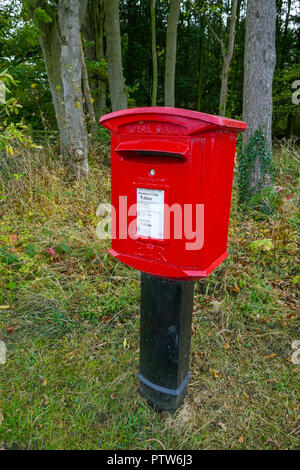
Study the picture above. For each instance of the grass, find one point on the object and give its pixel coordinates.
(69, 315)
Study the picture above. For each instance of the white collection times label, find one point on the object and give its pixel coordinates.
(150, 213)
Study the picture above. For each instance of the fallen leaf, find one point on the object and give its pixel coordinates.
(241, 439)
(235, 289)
(13, 237)
(246, 396)
(227, 345)
(214, 373)
(270, 356)
(10, 329)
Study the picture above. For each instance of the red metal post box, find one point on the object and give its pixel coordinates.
(171, 178)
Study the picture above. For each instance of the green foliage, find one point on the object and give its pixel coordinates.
(21, 56)
(39, 14)
(262, 245)
(8, 258)
(198, 64)
(266, 201)
(11, 132)
(98, 68)
(286, 113)
(256, 152)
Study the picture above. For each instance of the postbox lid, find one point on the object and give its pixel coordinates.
(191, 122)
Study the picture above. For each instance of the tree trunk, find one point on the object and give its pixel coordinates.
(201, 61)
(114, 57)
(100, 56)
(259, 64)
(154, 54)
(171, 53)
(51, 47)
(285, 50)
(68, 14)
(86, 88)
(238, 65)
(227, 60)
(278, 33)
(60, 47)
(93, 33)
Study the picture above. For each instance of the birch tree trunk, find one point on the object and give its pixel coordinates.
(154, 54)
(259, 64)
(171, 53)
(114, 57)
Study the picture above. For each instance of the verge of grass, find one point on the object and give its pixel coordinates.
(69, 315)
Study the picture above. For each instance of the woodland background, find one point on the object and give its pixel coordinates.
(198, 61)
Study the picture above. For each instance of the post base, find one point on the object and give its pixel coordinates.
(161, 398)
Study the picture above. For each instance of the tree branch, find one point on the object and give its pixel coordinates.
(217, 38)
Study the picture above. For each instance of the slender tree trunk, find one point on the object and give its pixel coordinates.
(93, 33)
(68, 14)
(171, 53)
(227, 60)
(154, 54)
(239, 63)
(285, 50)
(278, 33)
(114, 57)
(100, 56)
(259, 64)
(86, 88)
(201, 62)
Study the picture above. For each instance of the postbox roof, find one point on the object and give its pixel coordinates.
(193, 121)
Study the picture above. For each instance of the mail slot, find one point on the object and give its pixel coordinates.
(171, 180)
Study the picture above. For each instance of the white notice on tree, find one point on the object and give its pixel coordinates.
(150, 213)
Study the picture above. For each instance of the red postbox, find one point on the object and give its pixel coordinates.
(171, 179)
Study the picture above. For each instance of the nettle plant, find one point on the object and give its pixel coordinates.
(256, 192)
(10, 131)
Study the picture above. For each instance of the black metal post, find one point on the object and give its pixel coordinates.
(165, 338)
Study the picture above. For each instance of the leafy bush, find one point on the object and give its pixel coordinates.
(10, 131)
